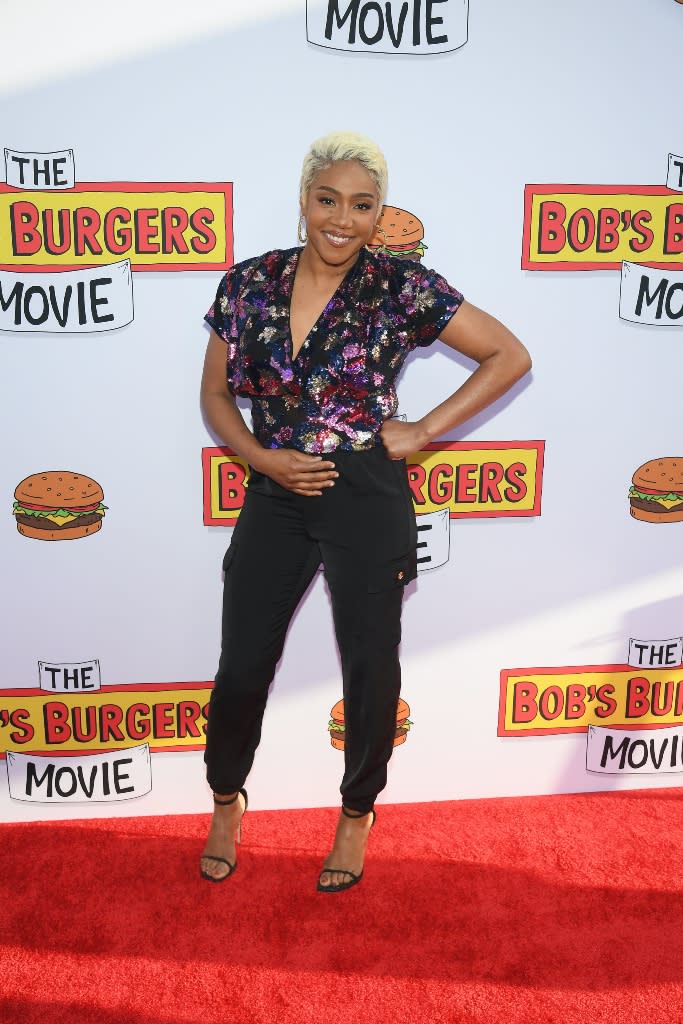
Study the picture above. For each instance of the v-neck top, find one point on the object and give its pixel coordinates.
(340, 388)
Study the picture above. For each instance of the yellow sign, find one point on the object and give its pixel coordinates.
(492, 478)
(166, 716)
(538, 701)
(175, 226)
(597, 227)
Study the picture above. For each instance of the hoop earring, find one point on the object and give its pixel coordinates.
(299, 232)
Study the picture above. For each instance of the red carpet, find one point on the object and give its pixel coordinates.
(549, 909)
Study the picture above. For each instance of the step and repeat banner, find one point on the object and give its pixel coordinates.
(550, 528)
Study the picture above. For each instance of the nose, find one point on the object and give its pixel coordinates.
(342, 215)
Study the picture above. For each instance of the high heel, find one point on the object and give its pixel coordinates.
(354, 879)
(232, 867)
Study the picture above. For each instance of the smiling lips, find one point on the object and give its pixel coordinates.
(336, 240)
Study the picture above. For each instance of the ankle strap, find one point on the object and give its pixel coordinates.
(225, 803)
(355, 814)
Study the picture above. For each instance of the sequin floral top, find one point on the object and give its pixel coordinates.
(340, 388)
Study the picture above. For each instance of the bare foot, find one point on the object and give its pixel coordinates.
(348, 852)
(221, 839)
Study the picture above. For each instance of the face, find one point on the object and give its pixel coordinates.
(341, 211)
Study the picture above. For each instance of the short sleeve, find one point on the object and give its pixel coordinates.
(428, 302)
(223, 312)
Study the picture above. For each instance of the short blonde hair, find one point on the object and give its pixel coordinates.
(336, 146)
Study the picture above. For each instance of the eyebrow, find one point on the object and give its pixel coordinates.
(356, 195)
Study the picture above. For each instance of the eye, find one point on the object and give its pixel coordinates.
(363, 206)
(326, 200)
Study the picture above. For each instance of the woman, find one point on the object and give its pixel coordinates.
(316, 337)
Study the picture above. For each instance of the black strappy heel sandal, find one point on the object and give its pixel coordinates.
(238, 838)
(353, 879)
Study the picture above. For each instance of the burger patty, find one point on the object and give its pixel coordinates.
(339, 735)
(654, 506)
(41, 523)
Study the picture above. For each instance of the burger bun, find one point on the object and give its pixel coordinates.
(397, 226)
(59, 488)
(657, 517)
(60, 532)
(665, 474)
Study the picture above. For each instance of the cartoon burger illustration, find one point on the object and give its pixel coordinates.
(657, 492)
(398, 233)
(58, 505)
(337, 727)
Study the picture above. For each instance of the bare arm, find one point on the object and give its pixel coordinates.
(298, 472)
(220, 408)
(502, 359)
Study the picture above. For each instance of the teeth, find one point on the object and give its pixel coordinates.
(337, 238)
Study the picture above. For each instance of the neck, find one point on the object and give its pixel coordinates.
(319, 271)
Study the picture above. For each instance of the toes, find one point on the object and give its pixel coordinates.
(209, 868)
(328, 879)
(213, 868)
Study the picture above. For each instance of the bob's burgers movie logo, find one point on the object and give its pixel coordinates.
(637, 229)
(67, 248)
(72, 739)
(455, 480)
(644, 693)
(393, 26)
(632, 714)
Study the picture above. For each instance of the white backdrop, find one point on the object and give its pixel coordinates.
(235, 93)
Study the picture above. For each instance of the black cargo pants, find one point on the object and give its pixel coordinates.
(363, 529)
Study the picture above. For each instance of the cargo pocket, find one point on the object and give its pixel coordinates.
(394, 573)
(228, 557)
